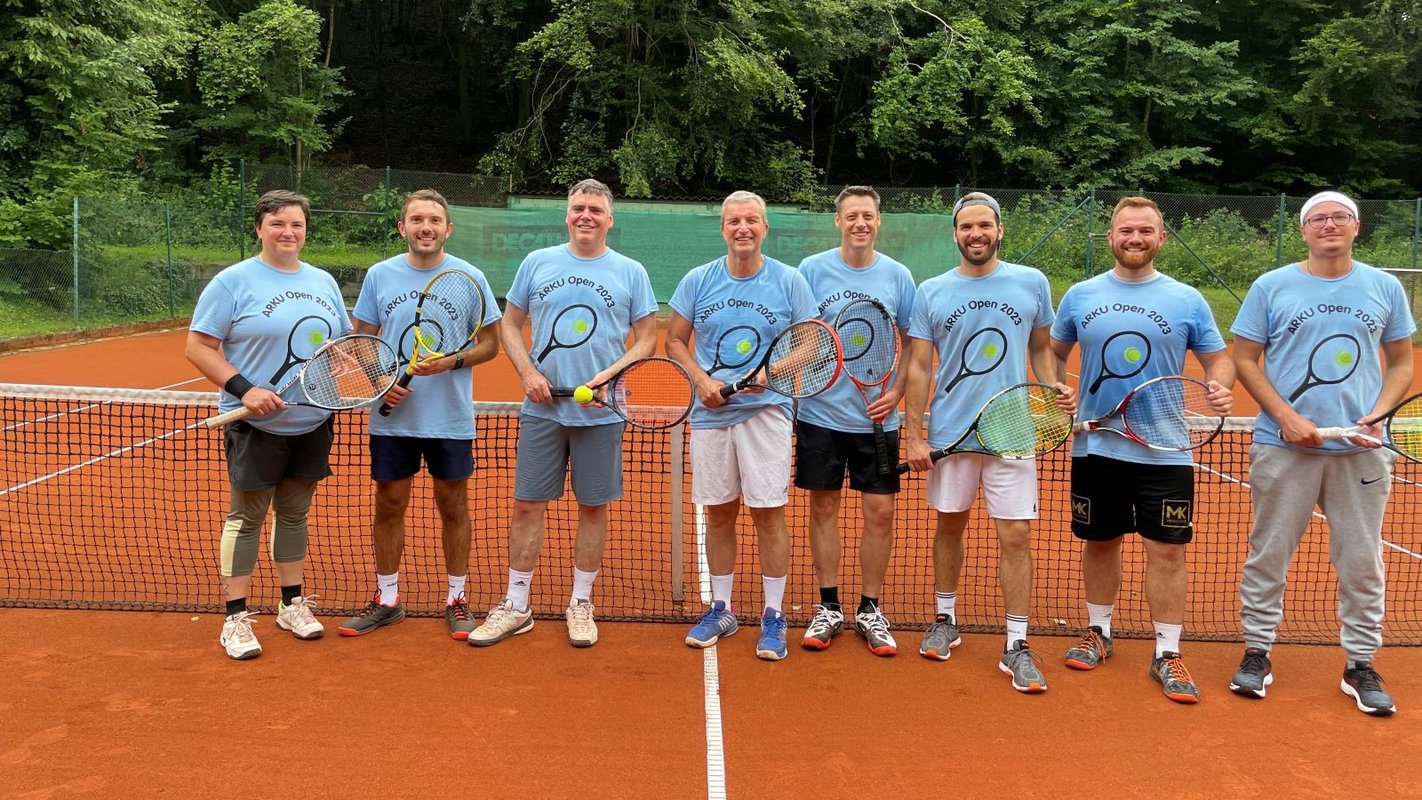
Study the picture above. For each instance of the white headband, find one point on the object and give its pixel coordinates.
(1328, 197)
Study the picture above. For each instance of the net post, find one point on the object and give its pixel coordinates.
(677, 477)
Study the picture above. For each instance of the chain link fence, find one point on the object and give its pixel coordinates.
(138, 262)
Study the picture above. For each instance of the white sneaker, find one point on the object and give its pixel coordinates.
(298, 618)
(238, 638)
(582, 631)
(503, 621)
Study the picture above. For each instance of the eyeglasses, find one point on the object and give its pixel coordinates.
(1339, 219)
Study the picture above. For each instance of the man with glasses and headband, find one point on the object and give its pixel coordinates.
(1319, 326)
(1134, 324)
(986, 320)
(834, 432)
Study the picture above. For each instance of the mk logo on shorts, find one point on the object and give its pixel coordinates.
(1175, 513)
(1080, 509)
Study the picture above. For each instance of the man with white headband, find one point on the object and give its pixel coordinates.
(1319, 325)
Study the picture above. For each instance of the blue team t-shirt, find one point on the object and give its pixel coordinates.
(1321, 338)
(980, 328)
(734, 321)
(1129, 333)
(582, 310)
(438, 406)
(834, 284)
(270, 321)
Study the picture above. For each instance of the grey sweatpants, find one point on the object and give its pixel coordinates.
(1351, 491)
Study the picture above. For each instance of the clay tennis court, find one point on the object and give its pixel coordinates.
(130, 703)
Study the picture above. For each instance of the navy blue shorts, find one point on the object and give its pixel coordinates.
(395, 458)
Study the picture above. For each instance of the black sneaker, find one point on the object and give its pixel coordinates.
(1254, 675)
(1362, 683)
(373, 616)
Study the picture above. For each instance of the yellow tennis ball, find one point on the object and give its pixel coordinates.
(583, 395)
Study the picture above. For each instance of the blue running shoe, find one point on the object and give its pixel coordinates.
(718, 621)
(771, 646)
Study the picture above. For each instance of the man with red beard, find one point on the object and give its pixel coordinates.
(986, 320)
(1134, 324)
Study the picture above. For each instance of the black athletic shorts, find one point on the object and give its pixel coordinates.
(1111, 497)
(822, 455)
(259, 460)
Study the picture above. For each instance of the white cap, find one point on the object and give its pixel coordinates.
(1328, 197)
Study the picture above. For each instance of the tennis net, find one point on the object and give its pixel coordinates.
(113, 499)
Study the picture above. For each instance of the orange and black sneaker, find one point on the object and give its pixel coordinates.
(1169, 671)
(1091, 650)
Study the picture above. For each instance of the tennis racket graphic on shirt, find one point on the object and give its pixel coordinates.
(981, 354)
(1333, 360)
(736, 348)
(347, 372)
(1019, 422)
(573, 327)
(652, 392)
(1402, 429)
(1123, 355)
(1169, 413)
(802, 361)
(871, 350)
(448, 316)
(305, 338)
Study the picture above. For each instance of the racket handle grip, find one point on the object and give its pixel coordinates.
(881, 449)
(402, 381)
(936, 455)
(1078, 427)
(230, 416)
(1336, 433)
(731, 388)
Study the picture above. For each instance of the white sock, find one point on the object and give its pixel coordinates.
(1100, 617)
(721, 588)
(1016, 630)
(456, 588)
(774, 591)
(389, 588)
(947, 603)
(1167, 638)
(582, 586)
(520, 583)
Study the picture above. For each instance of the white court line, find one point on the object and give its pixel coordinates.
(97, 459)
(711, 678)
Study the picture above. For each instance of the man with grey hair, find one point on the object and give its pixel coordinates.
(583, 300)
(740, 446)
(985, 320)
(1320, 325)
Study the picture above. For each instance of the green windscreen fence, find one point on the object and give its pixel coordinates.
(669, 244)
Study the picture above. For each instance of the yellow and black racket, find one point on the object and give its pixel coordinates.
(448, 316)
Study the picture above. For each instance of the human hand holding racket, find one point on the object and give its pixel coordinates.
(448, 316)
(802, 361)
(871, 351)
(1019, 422)
(1172, 413)
(348, 372)
(1399, 429)
(652, 392)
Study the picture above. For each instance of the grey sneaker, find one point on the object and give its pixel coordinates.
(582, 629)
(873, 626)
(1090, 650)
(1362, 683)
(941, 638)
(461, 622)
(822, 629)
(1169, 671)
(1021, 663)
(1254, 674)
(373, 616)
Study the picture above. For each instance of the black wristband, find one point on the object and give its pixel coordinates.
(238, 386)
(459, 360)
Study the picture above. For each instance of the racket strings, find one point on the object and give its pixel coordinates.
(1023, 421)
(804, 360)
(1404, 429)
(456, 302)
(870, 346)
(653, 393)
(348, 373)
(1172, 414)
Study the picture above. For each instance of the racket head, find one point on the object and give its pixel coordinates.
(349, 372)
(1404, 428)
(1171, 413)
(448, 316)
(1022, 421)
(651, 393)
(803, 360)
(870, 341)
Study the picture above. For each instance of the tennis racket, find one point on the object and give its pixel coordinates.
(652, 393)
(1017, 423)
(348, 372)
(871, 351)
(1169, 413)
(1402, 429)
(448, 316)
(801, 362)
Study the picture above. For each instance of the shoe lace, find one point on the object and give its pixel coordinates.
(1254, 663)
(498, 612)
(302, 609)
(878, 624)
(1091, 642)
(774, 626)
(710, 616)
(460, 609)
(242, 626)
(824, 618)
(1366, 679)
(1173, 668)
(580, 612)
